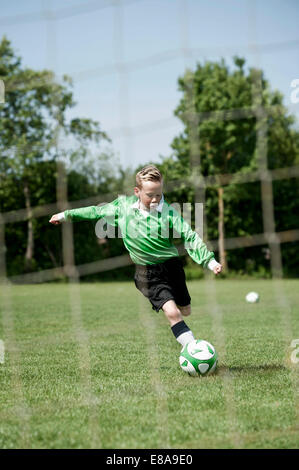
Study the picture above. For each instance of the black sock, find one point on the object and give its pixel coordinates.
(182, 333)
(179, 328)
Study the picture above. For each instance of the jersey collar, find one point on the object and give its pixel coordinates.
(136, 205)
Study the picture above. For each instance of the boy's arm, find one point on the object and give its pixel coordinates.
(194, 245)
(108, 211)
(56, 219)
(214, 266)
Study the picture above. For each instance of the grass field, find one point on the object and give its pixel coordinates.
(93, 366)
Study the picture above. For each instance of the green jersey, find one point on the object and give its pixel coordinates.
(148, 236)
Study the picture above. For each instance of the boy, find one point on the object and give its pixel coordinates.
(147, 224)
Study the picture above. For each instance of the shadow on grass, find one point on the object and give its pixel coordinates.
(250, 369)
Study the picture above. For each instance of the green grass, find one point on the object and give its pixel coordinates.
(105, 374)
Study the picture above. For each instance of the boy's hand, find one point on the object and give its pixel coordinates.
(217, 269)
(55, 220)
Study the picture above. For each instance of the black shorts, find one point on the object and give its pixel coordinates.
(162, 282)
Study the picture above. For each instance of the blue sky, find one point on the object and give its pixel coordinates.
(135, 105)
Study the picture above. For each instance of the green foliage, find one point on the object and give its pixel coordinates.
(212, 145)
(47, 238)
(35, 134)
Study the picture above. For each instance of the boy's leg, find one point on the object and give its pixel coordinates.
(179, 328)
(185, 311)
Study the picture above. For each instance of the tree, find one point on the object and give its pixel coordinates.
(33, 124)
(214, 144)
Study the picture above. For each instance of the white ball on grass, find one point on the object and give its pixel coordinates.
(252, 297)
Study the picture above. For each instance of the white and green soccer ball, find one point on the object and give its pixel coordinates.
(198, 358)
(252, 297)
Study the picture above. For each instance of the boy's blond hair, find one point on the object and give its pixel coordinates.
(148, 173)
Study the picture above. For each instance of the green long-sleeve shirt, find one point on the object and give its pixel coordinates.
(149, 237)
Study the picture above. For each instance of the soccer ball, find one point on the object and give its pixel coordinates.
(252, 297)
(198, 358)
